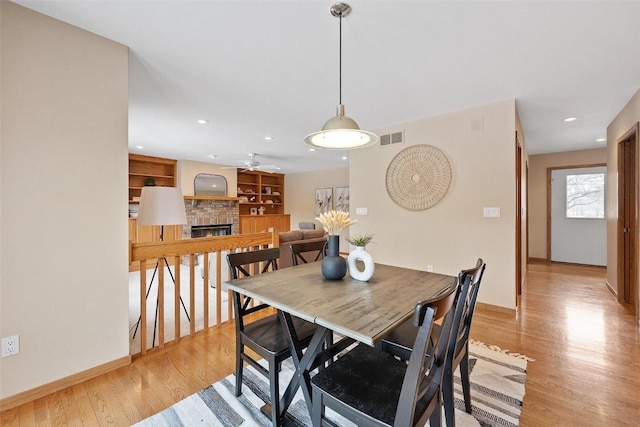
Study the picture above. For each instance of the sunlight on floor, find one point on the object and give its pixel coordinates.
(586, 327)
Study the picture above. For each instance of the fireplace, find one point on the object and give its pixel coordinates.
(212, 214)
(210, 230)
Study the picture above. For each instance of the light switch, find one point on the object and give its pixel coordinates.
(362, 211)
(491, 212)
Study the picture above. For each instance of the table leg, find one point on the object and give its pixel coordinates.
(301, 362)
(313, 357)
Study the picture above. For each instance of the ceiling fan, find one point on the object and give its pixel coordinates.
(253, 165)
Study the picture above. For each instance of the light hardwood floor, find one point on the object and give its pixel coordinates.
(586, 372)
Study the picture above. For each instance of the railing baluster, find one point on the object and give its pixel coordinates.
(160, 307)
(205, 291)
(219, 287)
(192, 294)
(143, 306)
(176, 299)
(141, 252)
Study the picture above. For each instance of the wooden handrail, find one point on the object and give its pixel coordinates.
(153, 250)
(174, 251)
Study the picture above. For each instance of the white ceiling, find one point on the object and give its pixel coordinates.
(270, 68)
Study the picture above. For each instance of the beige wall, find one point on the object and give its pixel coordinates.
(63, 280)
(453, 234)
(538, 165)
(627, 117)
(301, 192)
(188, 169)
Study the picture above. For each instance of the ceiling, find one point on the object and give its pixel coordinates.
(270, 68)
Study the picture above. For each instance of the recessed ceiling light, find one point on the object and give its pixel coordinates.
(212, 156)
(344, 157)
(312, 149)
(569, 119)
(601, 139)
(203, 121)
(268, 138)
(139, 147)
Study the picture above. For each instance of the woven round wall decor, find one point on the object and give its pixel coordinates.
(418, 177)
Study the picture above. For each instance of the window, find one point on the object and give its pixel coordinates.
(585, 195)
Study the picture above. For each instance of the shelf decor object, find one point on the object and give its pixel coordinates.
(334, 267)
(360, 254)
(340, 132)
(418, 177)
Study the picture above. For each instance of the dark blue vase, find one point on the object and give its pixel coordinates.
(334, 267)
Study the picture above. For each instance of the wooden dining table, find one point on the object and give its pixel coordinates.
(355, 310)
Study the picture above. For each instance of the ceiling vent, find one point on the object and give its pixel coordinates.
(392, 138)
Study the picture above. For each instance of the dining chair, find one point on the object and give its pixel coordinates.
(373, 388)
(265, 336)
(308, 249)
(400, 340)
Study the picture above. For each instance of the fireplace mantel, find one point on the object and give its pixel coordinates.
(233, 199)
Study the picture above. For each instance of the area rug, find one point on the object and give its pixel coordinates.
(497, 389)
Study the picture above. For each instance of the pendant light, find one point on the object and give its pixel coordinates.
(341, 132)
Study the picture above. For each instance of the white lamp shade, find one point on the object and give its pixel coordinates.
(161, 206)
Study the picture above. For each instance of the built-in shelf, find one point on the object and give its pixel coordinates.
(141, 168)
(261, 186)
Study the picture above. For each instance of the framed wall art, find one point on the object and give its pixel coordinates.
(342, 199)
(324, 200)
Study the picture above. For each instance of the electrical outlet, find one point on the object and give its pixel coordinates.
(10, 345)
(430, 268)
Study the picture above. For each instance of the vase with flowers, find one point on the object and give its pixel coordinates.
(334, 267)
(360, 254)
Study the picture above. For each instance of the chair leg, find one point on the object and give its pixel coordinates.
(317, 410)
(464, 376)
(435, 419)
(447, 398)
(328, 342)
(275, 391)
(239, 364)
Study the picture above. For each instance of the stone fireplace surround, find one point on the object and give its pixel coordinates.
(211, 211)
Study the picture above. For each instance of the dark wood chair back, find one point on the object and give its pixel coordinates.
(240, 265)
(373, 388)
(427, 362)
(466, 306)
(308, 251)
(241, 262)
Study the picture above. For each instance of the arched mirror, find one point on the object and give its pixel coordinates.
(206, 184)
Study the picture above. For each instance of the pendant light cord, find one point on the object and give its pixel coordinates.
(340, 61)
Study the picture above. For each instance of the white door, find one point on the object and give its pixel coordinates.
(578, 226)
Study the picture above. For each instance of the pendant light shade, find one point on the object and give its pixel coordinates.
(341, 132)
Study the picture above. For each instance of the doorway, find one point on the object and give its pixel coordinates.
(578, 229)
(628, 216)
